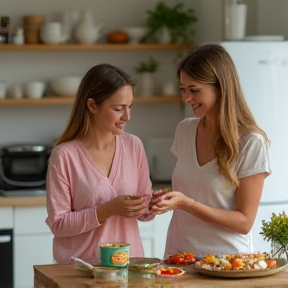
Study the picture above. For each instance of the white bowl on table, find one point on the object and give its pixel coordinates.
(66, 86)
(136, 34)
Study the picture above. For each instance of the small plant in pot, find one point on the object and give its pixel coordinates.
(276, 231)
(146, 70)
(150, 66)
(176, 21)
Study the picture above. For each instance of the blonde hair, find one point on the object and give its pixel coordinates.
(212, 64)
(99, 83)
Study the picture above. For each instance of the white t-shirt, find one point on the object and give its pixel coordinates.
(202, 183)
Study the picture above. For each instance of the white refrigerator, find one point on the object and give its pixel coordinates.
(263, 71)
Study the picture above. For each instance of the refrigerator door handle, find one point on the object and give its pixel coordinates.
(5, 238)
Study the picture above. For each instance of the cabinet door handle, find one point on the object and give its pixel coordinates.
(5, 238)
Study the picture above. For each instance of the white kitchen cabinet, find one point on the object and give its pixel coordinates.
(153, 234)
(161, 226)
(6, 218)
(147, 236)
(32, 243)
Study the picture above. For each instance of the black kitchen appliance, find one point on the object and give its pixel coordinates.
(6, 252)
(23, 167)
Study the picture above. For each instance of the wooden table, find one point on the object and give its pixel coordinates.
(67, 276)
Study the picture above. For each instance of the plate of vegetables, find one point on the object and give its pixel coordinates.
(241, 265)
(181, 258)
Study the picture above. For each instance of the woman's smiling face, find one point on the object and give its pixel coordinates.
(113, 113)
(203, 97)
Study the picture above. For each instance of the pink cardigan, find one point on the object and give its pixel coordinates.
(75, 188)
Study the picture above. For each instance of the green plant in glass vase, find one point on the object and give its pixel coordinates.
(177, 20)
(276, 231)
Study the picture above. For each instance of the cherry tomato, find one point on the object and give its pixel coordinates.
(272, 263)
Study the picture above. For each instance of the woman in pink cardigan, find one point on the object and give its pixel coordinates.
(98, 181)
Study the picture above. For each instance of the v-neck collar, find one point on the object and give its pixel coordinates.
(193, 140)
(115, 161)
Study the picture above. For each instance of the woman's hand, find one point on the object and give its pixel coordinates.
(163, 201)
(129, 205)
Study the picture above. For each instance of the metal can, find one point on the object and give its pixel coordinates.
(115, 254)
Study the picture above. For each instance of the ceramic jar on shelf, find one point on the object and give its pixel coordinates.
(234, 19)
(32, 25)
(87, 31)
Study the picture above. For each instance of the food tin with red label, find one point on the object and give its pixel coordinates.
(115, 254)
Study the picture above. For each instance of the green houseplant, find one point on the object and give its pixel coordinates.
(146, 70)
(276, 231)
(177, 20)
(149, 66)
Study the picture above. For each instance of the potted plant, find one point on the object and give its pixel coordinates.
(276, 231)
(150, 66)
(176, 21)
(146, 69)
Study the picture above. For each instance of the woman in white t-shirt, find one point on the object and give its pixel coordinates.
(222, 161)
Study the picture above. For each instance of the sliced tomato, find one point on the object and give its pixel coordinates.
(169, 271)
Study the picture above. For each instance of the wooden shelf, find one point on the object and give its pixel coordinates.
(92, 47)
(70, 101)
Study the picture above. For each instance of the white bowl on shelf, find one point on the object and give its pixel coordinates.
(34, 89)
(136, 34)
(66, 86)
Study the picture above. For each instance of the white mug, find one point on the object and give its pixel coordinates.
(15, 91)
(54, 33)
(169, 89)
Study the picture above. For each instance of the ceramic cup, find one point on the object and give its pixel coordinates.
(54, 33)
(3, 88)
(15, 91)
(169, 89)
(34, 89)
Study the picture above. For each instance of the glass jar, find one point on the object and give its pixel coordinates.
(279, 251)
(4, 29)
(18, 35)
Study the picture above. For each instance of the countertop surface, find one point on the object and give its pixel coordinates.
(22, 201)
(67, 276)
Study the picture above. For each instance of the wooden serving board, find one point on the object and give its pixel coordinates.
(67, 276)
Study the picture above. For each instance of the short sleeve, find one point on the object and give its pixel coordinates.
(174, 146)
(254, 156)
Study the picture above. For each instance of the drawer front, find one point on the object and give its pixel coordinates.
(6, 218)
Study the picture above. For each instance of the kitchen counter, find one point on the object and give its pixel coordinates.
(22, 201)
(67, 276)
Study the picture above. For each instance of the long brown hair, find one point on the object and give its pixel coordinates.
(99, 83)
(212, 64)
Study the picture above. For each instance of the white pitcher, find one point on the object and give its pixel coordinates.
(53, 33)
(86, 31)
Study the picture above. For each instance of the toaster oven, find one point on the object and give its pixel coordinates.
(23, 167)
